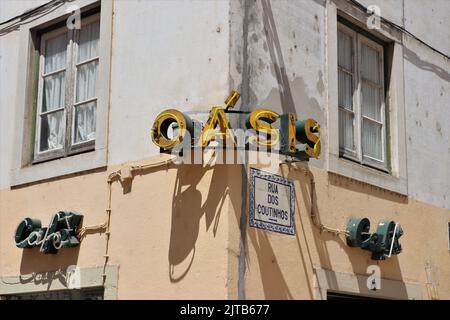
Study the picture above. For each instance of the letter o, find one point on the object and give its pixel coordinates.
(162, 124)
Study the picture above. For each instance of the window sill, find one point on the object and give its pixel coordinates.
(366, 163)
(58, 167)
(367, 174)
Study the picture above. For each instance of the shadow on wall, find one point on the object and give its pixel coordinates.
(293, 93)
(413, 58)
(360, 260)
(361, 187)
(188, 207)
(313, 248)
(276, 55)
(36, 264)
(273, 281)
(32, 15)
(272, 278)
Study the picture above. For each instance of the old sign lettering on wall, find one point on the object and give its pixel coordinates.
(272, 202)
(61, 233)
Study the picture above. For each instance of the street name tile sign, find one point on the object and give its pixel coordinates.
(272, 202)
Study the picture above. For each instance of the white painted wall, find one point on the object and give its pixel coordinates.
(302, 63)
(9, 46)
(427, 96)
(429, 20)
(12, 8)
(165, 54)
(390, 9)
(182, 54)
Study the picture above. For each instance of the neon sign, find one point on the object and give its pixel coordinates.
(296, 138)
(61, 233)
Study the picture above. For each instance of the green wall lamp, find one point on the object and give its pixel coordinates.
(383, 243)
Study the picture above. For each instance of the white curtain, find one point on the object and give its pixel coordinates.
(88, 41)
(87, 81)
(85, 122)
(54, 92)
(53, 124)
(371, 106)
(346, 132)
(52, 131)
(345, 91)
(371, 103)
(87, 73)
(55, 53)
(345, 49)
(370, 66)
(372, 139)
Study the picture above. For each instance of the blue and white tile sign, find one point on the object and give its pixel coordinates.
(272, 202)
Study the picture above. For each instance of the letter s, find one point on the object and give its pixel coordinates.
(306, 133)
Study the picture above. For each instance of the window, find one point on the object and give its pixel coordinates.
(67, 127)
(67, 91)
(361, 103)
(366, 101)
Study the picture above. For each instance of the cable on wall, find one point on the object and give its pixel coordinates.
(314, 217)
(402, 29)
(30, 13)
(124, 174)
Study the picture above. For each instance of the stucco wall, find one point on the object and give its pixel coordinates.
(162, 57)
(421, 18)
(12, 8)
(285, 56)
(169, 229)
(175, 230)
(282, 267)
(8, 81)
(390, 9)
(283, 65)
(427, 97)
(165, 54)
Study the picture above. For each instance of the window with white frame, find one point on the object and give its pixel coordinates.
(67, 90)
(362, 114)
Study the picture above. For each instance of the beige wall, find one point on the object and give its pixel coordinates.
(281, 266)
(175, 233)
(168, 229)
(175, 230)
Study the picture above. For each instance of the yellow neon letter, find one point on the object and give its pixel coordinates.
(216, 117)
(161, 126)
(261, 121)
(307, 136)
